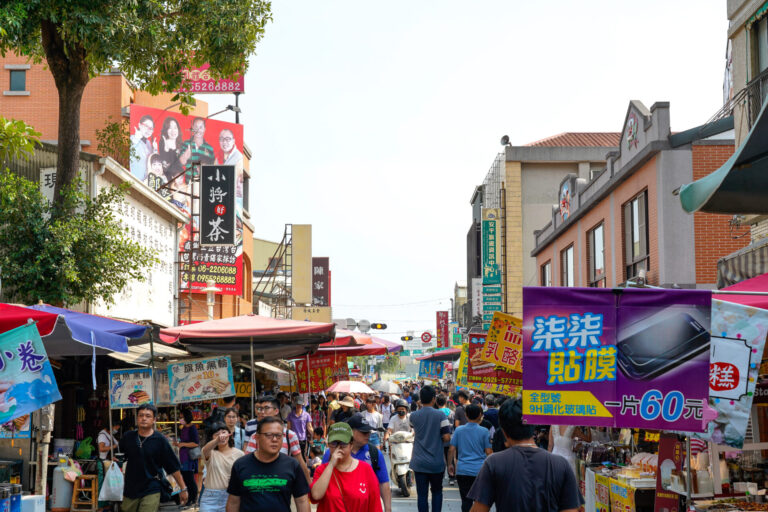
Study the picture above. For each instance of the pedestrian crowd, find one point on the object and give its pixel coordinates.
(329, 450)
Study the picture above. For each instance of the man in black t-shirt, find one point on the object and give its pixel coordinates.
(460, 417)
(266, 480)
(524, 478)
(147, 453)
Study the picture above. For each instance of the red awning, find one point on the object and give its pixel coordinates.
(755, 284)
(16, 316)
(346, 339)
(449, 354)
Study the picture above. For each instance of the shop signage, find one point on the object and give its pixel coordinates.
(321, 282)
(25, 372)
(200, 379)
(169, 149)
(431, 369)
(622, 496)
(217, 205)
(19, 428)
(602, 493)
(635, 359)
(453, 328)
(162, 396)
(477, 295)
(242, 389)
(504, 343)
(736, 349)
(443, 341)
(130, 388)
(491, 377)
(670, 460)
(491, 245)
(491, 307)
(200, 81)
(320, 372)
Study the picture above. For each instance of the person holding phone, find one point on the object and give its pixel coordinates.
(344, 484)
(219, 454)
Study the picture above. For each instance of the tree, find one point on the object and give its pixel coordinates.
(60, 259)
(151, 41)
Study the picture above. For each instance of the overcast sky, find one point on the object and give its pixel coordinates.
(374, 121)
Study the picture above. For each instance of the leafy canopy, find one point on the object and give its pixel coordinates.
(149, 40)
(60, 259)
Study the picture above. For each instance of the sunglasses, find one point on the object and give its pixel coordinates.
(337, 444)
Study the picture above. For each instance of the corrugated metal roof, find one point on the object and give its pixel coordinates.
(580, 139)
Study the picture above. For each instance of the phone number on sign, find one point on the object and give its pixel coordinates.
(654, 404)
(221, 86)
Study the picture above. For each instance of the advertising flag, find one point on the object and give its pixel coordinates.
(635, 358)
(321, 372)
(504, 343)
(491, 245)
(486, 376)
(217, 205)
(442, 330)
(26, 377)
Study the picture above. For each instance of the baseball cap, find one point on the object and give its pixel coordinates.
(356, 422)
(340, 432)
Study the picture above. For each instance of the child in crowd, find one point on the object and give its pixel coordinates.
(317, 459)
(318, 441)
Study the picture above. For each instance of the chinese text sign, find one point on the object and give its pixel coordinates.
(200, 379)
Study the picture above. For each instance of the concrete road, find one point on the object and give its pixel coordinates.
(451, 500)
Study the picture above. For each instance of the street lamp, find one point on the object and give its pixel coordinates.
(210, 291)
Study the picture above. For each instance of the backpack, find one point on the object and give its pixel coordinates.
(374, 452)
(498, 442)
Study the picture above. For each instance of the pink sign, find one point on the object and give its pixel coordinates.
(199, 80)
(442, 330)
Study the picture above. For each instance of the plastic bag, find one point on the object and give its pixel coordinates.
(112, 487)
(85, 449)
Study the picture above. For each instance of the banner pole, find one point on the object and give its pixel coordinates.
(688, 475)
(253, 382)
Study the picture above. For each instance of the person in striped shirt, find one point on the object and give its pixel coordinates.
(269, 406)
(196, 150)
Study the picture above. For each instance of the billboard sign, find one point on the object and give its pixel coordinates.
(130, 388)
(491, 246)
(301, 263)
(477, 296)
(168, 150)
(200, 379)
(632, 358)
(443, 340)
(217, 205)
(321, 283)
(318, 372)
(200, 81)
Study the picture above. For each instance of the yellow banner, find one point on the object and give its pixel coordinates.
(242, 389)
(563, 403)
(622, 496)
(602, 493)
(504, 344)
(461, 379)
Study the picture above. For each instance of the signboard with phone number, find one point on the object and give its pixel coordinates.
(636, 358)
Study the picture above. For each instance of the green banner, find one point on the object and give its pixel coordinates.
(491, 246)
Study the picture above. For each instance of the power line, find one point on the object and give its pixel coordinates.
(390, 305)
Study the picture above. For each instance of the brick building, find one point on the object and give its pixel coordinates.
(29, 93)
(625, 223)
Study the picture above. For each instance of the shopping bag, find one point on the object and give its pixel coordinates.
(112, 487)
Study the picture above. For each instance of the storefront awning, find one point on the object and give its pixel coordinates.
(271, 368)
(141, 355)
(740, 186)
(746, 263)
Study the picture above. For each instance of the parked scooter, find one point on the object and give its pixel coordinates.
(400, 451)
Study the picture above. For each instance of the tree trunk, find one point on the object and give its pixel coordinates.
(69, 66)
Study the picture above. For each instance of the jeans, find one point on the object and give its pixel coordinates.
(374, 439)
(465, 484)
(213, 500)
(189, 481)
(423, 483)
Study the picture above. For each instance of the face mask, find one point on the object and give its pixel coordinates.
(401, 413)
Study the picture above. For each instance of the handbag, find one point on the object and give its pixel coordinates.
(195, 453)
(166, 489)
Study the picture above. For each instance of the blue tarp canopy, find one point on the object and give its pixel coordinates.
(91, 331)
(740, 186)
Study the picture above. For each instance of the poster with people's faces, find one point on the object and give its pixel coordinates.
(168, 149)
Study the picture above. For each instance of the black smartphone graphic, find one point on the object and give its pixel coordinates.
(661, 346)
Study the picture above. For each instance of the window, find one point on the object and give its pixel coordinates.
(566, 267)
(636, 235)
(596, 256)
(546, 274)
(18, 80)
(759, 33)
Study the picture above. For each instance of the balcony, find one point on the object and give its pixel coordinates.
(756, 92)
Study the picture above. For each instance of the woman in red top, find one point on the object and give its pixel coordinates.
(344, 484)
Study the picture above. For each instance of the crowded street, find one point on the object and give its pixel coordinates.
(403, 256)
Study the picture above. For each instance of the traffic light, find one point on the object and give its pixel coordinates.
(406, 338)
(378, 326)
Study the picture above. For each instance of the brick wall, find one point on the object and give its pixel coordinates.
(714, 237)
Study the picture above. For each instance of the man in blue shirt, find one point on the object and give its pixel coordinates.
(361, 434)
(473, 444)
(407, 395)
(432, 428)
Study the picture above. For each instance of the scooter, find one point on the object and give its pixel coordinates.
(400, 451)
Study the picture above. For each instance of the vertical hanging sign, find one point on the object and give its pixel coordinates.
(442, 330)
(491, 246)
(217, 205)
(321, 283)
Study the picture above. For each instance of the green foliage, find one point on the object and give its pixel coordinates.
(149, 40)
(390, 365)
(60, 253)
(114, 140)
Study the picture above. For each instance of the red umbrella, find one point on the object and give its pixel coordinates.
(449, 354)
(755, 284)
(16, 316)
(345, 338)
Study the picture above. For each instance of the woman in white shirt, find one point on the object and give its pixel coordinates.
(106, 440)
(219, 453)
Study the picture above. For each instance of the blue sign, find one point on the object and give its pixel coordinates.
(431, 369)
(26, 377)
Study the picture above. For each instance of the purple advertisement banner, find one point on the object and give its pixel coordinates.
(628, 357)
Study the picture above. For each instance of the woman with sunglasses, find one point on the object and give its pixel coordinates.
(344, 484)
(219, 453)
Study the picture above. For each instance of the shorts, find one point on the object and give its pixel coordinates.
(148, 503)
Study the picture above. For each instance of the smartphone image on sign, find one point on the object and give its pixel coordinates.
(661, 346)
